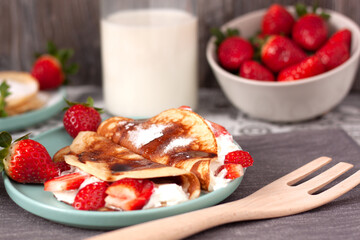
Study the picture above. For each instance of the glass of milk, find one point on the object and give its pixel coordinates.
(149, 53)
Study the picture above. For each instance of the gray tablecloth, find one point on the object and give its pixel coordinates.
(275, 155)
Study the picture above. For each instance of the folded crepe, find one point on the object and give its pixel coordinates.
(176, 137)
(110, 162)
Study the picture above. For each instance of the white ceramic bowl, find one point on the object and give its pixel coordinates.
(287, 101)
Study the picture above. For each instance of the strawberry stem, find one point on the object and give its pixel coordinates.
(220, 36)
(89, 103)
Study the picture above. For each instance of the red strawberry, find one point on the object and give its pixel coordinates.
(254, 70)
(280, 52)
(51, 69)
(129, 194)
(81, 117)
(309, 67)
(67, 182)
(233, 51)
(310, 31)
(239, 157)
(91, 197)
(232, 170)
(25, 160)
(63, 166)
(332, 54)
(277, 20)
(343, 35)
(218, 129)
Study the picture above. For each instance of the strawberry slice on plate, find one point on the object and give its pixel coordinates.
(67, 182)
(91, 197)
(129, 194)
(239, 157)
(233, 170)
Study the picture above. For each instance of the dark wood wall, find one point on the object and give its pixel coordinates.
(26, 26)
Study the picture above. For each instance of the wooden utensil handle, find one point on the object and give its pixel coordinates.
(175, 227)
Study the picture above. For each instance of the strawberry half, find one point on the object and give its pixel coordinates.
(232, 170)
(239, 157)
(129, 194)
(309, 67)
(91, 197)
(51, 69)
(277, 20)
(25, 160)
(64, 183)
(81, 117)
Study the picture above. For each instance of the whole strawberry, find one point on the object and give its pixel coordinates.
(343, 35)
(232, 50)
(311, 30)
(51, 69)
(81, 117)
(25, 160)
(277, 20)
(279, 52)
(254, 70)
(309, 67)
(336, 50)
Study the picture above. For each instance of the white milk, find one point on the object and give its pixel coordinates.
(149, 61)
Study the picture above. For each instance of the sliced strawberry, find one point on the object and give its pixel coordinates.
(232, 170)
(185, 108)
(129, 194)
(239, 157)
(66, 182)
(91, 197)
(63, 166)
(218, 129)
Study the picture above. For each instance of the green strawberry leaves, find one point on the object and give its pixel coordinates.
(220, 36)
(89, 103)
(301, 10)
(4, 87)
(5, 143)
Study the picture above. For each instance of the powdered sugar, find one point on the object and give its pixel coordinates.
(177, 142)
(141, 136)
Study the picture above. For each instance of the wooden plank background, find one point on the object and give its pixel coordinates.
(26, 26)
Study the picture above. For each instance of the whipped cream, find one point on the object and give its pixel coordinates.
(69, 196)
(225, 144)
(167, 195)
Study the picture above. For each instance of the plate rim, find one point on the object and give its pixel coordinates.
(22, 121)
(36, 207)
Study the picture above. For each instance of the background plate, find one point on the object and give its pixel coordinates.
(55, 103)
(34, 199)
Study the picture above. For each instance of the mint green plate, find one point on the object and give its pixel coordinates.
(35, 200)
(54, 104)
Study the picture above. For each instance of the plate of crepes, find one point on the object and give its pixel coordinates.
(132, 171)
(25, 104)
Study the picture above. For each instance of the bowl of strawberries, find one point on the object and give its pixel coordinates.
(285, 64)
